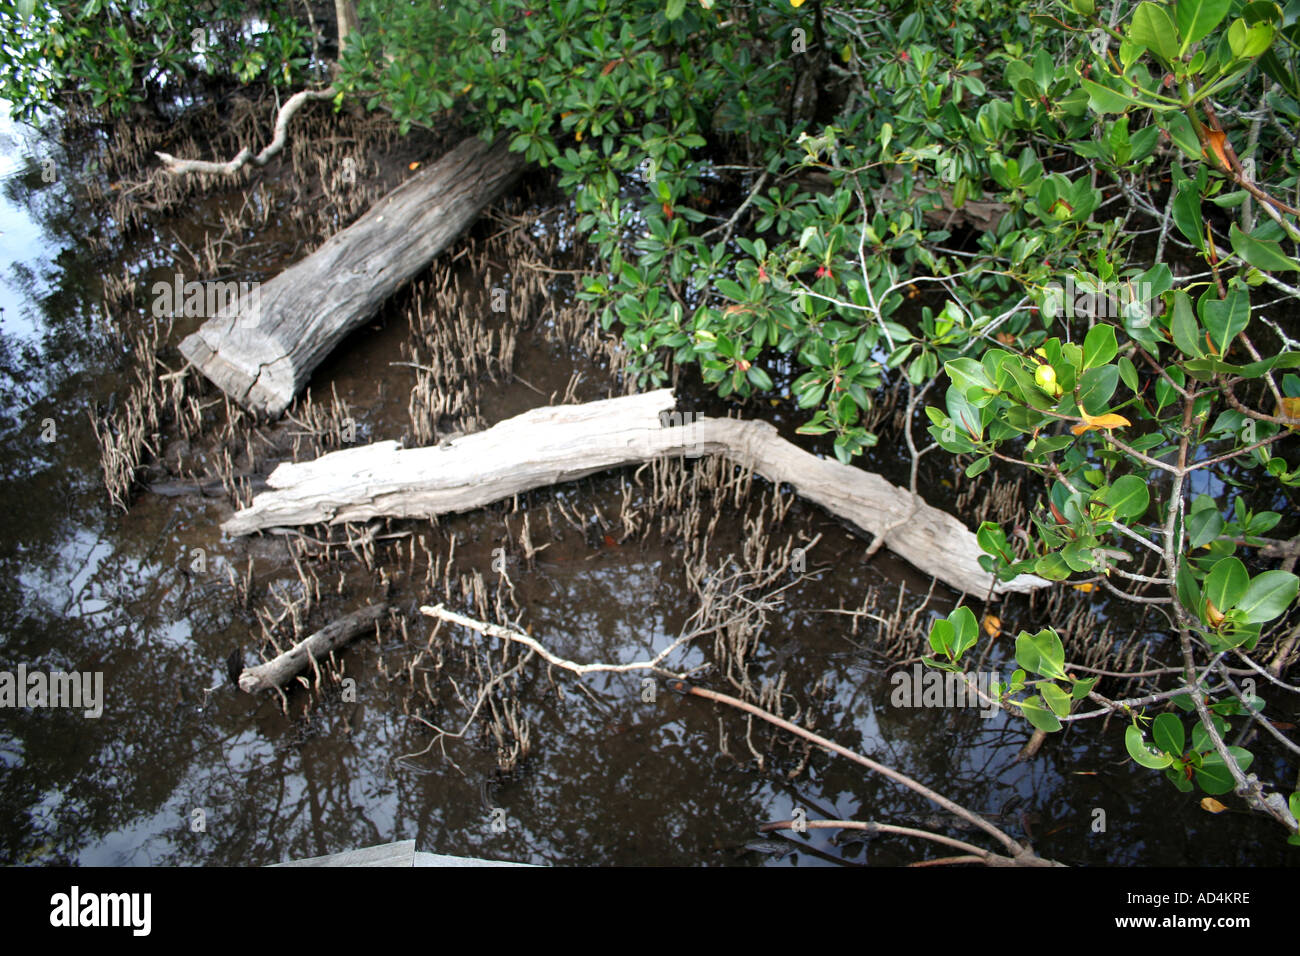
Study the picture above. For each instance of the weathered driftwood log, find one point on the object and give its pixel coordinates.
(546, 446)
(317, 647)
(261, 352)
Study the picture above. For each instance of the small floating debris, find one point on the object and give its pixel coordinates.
(776, 848)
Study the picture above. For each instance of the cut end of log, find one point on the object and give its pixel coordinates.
(249, 366)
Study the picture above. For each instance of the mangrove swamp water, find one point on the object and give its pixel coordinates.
(183, 769)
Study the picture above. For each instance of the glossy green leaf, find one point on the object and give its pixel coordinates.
(1166, 394)
(1128, 374)
(1201, 741)
(992, 540)
(1264, 254)
(1203, 527)
(1039, 716)
(1041, 653)
(1099, 347)
(1104, 100)
(1196, 18)
(1180, 130)
(1226, 583)
(1168, 733)
(1268, 596)
(965, 416)
(1248, 42)
(1142, 752)
(1213, 775)
(1078, 556)
(1187, 215)
(1183, 326)
(966, 630)
(1174, 774)
(942, 634)
(1152, 28)
(1056, 699)
(1225, 318)
(969, 376)
(1053, 567)
(1129, 497)
(1096, 386)
(759, 378)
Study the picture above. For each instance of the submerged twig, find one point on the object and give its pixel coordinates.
(1022, 856)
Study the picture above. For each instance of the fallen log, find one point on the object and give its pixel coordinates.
(554, 444)
(262, 349)
(317, 647)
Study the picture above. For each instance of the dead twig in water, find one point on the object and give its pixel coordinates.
(1020, 856)
(505, 633)
(978, 854)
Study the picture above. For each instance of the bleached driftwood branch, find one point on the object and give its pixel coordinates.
(292, 105)
(554, 444)
(509, 634)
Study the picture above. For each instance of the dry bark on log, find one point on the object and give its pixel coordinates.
(317, 647)
(549, 445)
(262, 354)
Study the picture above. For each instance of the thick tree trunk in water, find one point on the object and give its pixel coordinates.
(345, 14)
(549, 445)
(262, 352)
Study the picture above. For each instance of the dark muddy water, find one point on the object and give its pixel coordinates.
(175, 773)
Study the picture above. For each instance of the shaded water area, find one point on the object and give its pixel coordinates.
(181, 768)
